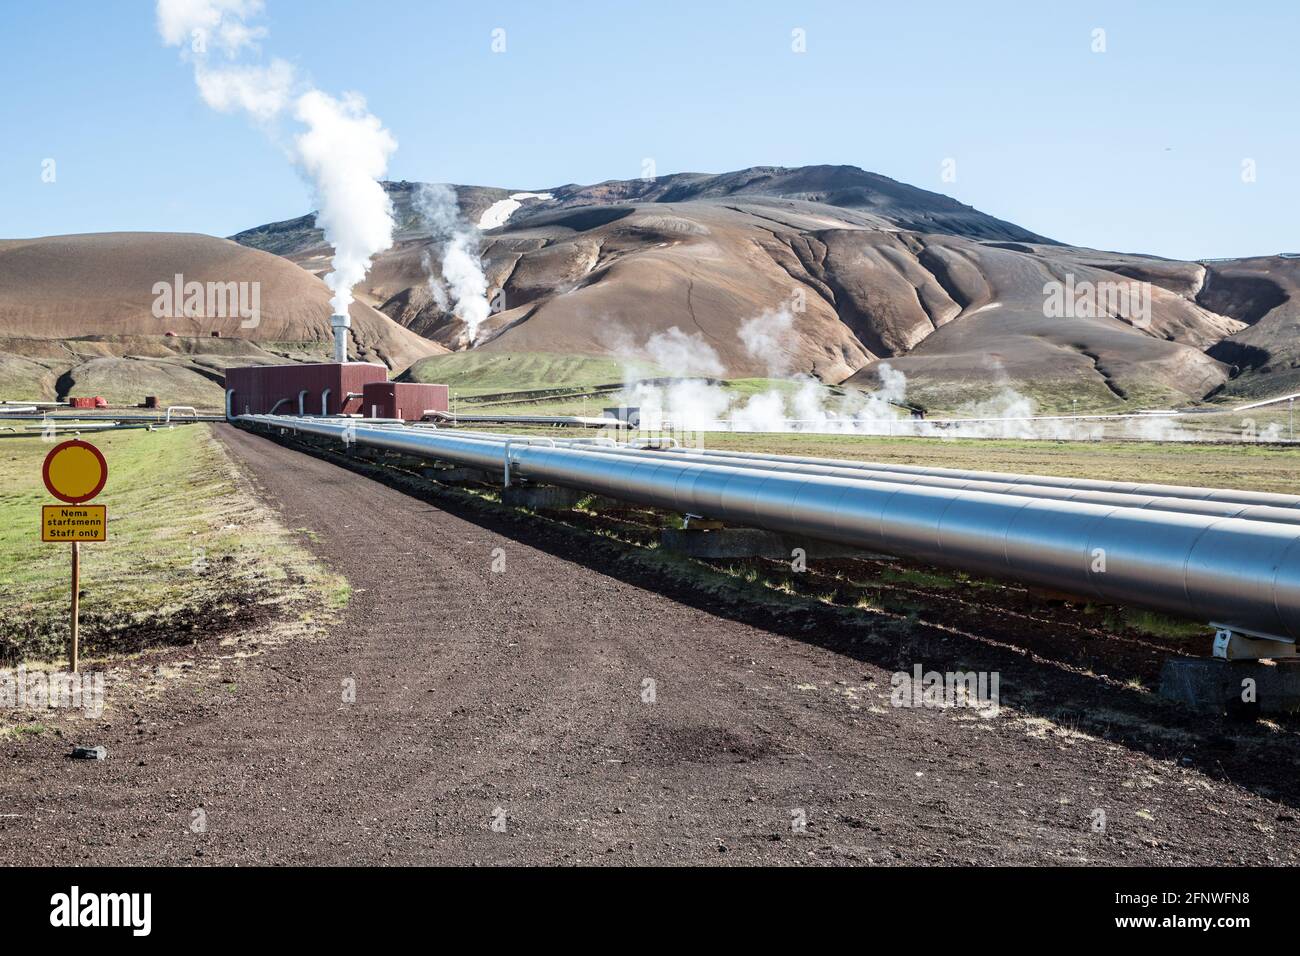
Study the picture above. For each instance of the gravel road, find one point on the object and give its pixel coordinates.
(516, 704)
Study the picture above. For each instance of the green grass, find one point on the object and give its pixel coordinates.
(187, 544)
(740, 390)
(1153, 623)
(340, 595)
(919, 578)
(25, 379)
(1066, 395)
(745, 388)
(480, 372)
(1250, 467)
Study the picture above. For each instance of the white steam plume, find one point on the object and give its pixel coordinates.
(763, 337)
(261, 91)
(683, 354)
(694, 400)
(344, 149)
(810, 406)
(203, 22)
(457, 242)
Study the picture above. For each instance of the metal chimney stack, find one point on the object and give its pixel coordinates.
(340, 324)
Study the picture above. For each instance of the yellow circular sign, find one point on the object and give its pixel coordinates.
(75, 471)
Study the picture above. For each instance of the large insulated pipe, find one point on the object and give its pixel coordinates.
(1216, 507)
(1240, 574)
(860, 470)
(1201, 506)
(559, 421)
(340, 324)
(1229, 495)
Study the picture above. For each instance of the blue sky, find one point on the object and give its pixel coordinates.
(1139, 148)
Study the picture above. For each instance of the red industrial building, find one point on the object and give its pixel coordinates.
(329, 388)
(405, 400)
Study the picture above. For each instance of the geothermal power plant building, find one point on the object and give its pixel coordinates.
(329, 388)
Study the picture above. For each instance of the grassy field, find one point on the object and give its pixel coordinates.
(1233, 449)
(1083, 395)
(1247, 466)
(739, 390)
(190, 553)
(474, 376)
(474, 373)
(477, 373)
(1255, 467)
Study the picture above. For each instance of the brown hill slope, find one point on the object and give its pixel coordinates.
(1263, 292)
(873, 269)
(77, 316)
(874, 201)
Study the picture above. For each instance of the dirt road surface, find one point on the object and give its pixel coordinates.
(515, 704)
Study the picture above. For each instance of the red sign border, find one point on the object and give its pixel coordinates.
(75, 443)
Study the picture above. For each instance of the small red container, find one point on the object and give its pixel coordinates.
(405, 400)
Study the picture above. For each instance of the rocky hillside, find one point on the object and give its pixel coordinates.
(1264, 293)
(673, 271)
(77, 316)
(872, 270)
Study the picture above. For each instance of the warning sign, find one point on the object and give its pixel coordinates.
(74, 523)
(75, 471)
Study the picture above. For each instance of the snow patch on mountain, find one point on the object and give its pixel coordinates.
(499, 213)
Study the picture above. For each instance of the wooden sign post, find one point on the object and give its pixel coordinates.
(75, 472)
(75, 646)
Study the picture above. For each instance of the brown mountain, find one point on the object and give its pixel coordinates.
(77, 317)
(872, 269)
(1264, 293)
(953, 297)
